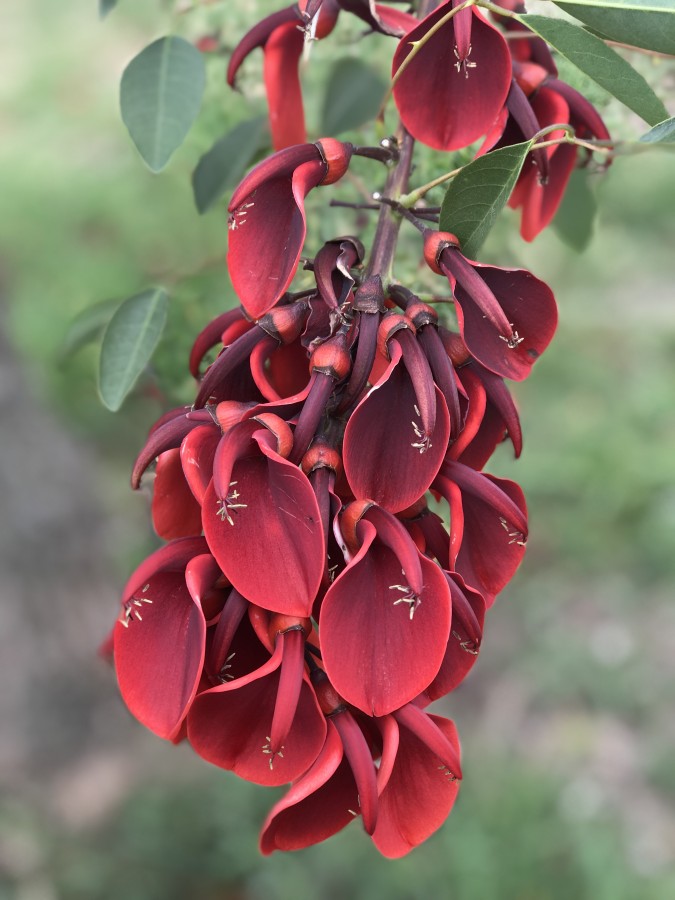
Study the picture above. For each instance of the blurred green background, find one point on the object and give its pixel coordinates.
(568, 720)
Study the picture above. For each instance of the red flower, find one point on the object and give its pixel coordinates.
(261, 518)
(283, 39)
(418, 779)
(385, 620)
(506, 317)
(453, 89)
(267, 219)
(397, 436)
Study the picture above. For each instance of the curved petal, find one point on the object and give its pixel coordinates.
(160, 642)
(267, 232)
(282, 83)
(386, 457)
(196, 455)
(419, 794)
(444, 102)
(382, 644)
(175, 512)
(272, 551)
(317, 806)
(230, 725)
(530, 308)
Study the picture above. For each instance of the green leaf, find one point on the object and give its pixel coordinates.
(129, 342)
(575, 219)
(105, 6)
(160, 96)
(663, 133)
(223, 165)
(86, 326)
(601, 63)
(478, 194)
(353, 96)
(649, 24)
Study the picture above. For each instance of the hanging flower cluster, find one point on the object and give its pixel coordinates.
(308, 604)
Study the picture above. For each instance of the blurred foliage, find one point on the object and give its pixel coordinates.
(579, 650)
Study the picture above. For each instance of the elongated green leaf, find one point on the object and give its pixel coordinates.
(129, 342)
(590, 54)
(160, 96)
(575, 218)
(479, 193)
(223, 165)
(86, 327)
(105, 6)
(640, 23)
(663, 133)
(353, 96)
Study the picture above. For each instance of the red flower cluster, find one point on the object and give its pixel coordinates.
(309, 604)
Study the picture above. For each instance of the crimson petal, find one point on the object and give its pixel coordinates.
(230, 725)
(383, 457)
(320, 803)
(175, 512)
(273, 550)
(382, 644)
(444, 101)
(419, 793)
(159, 652)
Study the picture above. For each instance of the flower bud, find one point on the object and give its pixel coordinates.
(281, 431)
(389, 325)
(336, 155)
(421, 314)
(435, 243)
(285, 323)
(332, 357)
(321, 455)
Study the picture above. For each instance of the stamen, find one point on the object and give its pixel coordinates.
(513, 341)
(229, 503)
(224, 675)
(517, 537)
(411, 598)
(446, 771)
(266, 749)
(129, 610)
(423, 442)
(464, 63)
(468, 646)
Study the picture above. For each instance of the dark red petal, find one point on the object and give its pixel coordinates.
(376, 655)
(530, 308)
(282, 83)
(167, 436)
(196, 455)
(392, 533)
(230, 726)
(460, 102)
(290, 682)
(273, 551)
(419, 793)
(175, 512)
(172, 557)
(201, 575)
(267, 234)
(466, 632)
(257, 37)
(210, 336)
(159, 652)
(361, 763)
(494, 530)
(224, 633)
(318, 805)
(386, 456)
(279, 165)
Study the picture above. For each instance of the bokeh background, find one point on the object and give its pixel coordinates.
(568, 720)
